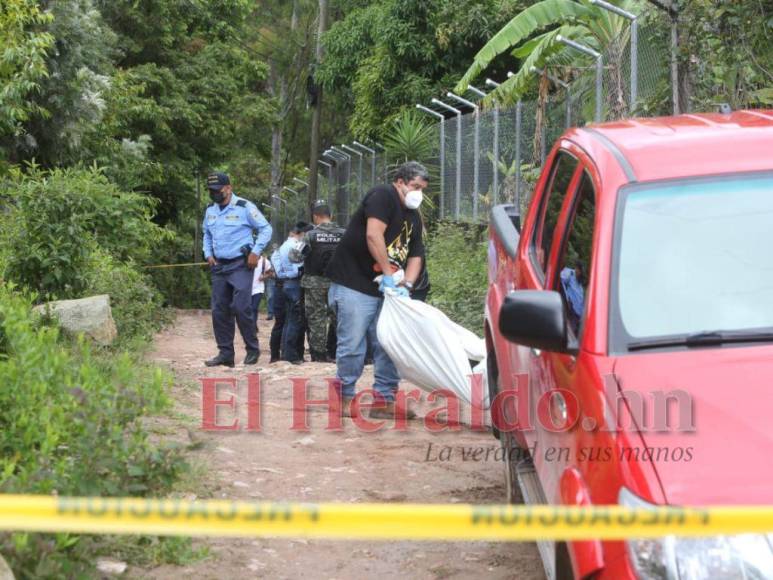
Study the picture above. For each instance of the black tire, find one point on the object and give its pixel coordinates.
(492, 378)
(563, 562)
(511, 459)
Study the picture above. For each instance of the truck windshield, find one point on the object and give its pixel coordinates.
(693, 256)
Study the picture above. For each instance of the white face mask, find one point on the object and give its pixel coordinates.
(413, 199)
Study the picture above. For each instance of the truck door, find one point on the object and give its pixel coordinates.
(569, 273)
(534, 256)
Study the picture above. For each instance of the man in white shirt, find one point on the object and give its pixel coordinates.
(263, 271)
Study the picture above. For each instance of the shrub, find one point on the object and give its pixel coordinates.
(136, 303)
(187, 287)
(70, 423)
(60, 215)
(456, 262)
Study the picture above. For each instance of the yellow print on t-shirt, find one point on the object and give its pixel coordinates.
(399, 248)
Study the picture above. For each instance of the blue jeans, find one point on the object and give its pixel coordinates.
(288, 321)
(270, 291)
(357, 318)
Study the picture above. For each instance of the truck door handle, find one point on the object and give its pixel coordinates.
(536, 352)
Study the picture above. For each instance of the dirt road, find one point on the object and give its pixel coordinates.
(348, 466)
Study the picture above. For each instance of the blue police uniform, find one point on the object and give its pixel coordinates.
(226, 231)
(288, 315)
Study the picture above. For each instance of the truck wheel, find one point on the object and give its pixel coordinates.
(563, 562)
(492, 378)
(511, 450)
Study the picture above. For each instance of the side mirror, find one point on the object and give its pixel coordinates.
(536, 318)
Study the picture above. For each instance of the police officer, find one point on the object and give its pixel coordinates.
(229, 223)
(288, 314)
(319, 246)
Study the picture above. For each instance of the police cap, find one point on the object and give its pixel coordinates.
(216, 181)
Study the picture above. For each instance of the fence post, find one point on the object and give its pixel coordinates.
(442, 155)
(634, 63)
(348, 188)
(329, 177)
(544, 133)
(599, 70)
(518, 114)
(495, 186)
(634, 45)
(335, 185)
(458, 114)
(372, 161)
(380, 147)
(495, 161)
(475, 152)
(599, 88)
(359, 168)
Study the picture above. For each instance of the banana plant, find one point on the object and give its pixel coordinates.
(532, 37)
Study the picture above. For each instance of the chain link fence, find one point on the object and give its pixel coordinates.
(487, 156)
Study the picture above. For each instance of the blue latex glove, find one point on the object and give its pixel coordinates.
(387, 281)
(402, 292)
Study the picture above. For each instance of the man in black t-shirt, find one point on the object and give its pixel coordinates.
(384, 235)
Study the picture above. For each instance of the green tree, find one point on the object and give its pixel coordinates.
(80, 67)
(189, 96)
(22, 61)
(532, 38)
(383, 56)
(727, 53)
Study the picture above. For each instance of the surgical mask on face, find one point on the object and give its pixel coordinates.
(413, 199)
(216, 196)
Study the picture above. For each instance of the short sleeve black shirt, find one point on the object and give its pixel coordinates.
(353, 266)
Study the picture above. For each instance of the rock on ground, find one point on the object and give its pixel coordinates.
(91, 316)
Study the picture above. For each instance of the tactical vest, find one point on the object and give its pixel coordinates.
(323, 242)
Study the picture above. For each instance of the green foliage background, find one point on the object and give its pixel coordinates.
(457, 266)
(111, 111)
(71, 424)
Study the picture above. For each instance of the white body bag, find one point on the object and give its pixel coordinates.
(429, 349)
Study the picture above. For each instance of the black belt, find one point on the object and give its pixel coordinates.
(281, 281)
(229, 260)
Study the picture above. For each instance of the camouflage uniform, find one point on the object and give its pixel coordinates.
(319, 247)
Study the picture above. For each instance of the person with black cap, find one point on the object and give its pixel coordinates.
(288, 316)
(319, 245)
(232, 251)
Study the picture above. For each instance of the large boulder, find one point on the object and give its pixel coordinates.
(5, 570)
(91, 316)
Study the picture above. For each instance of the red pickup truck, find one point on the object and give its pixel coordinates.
(630, 319)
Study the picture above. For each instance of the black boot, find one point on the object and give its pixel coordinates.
(252, 357)
(220, 360)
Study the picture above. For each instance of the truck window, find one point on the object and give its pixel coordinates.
(574, 263)
(550, 208)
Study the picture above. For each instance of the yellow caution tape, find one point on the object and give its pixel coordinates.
(371, 521)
